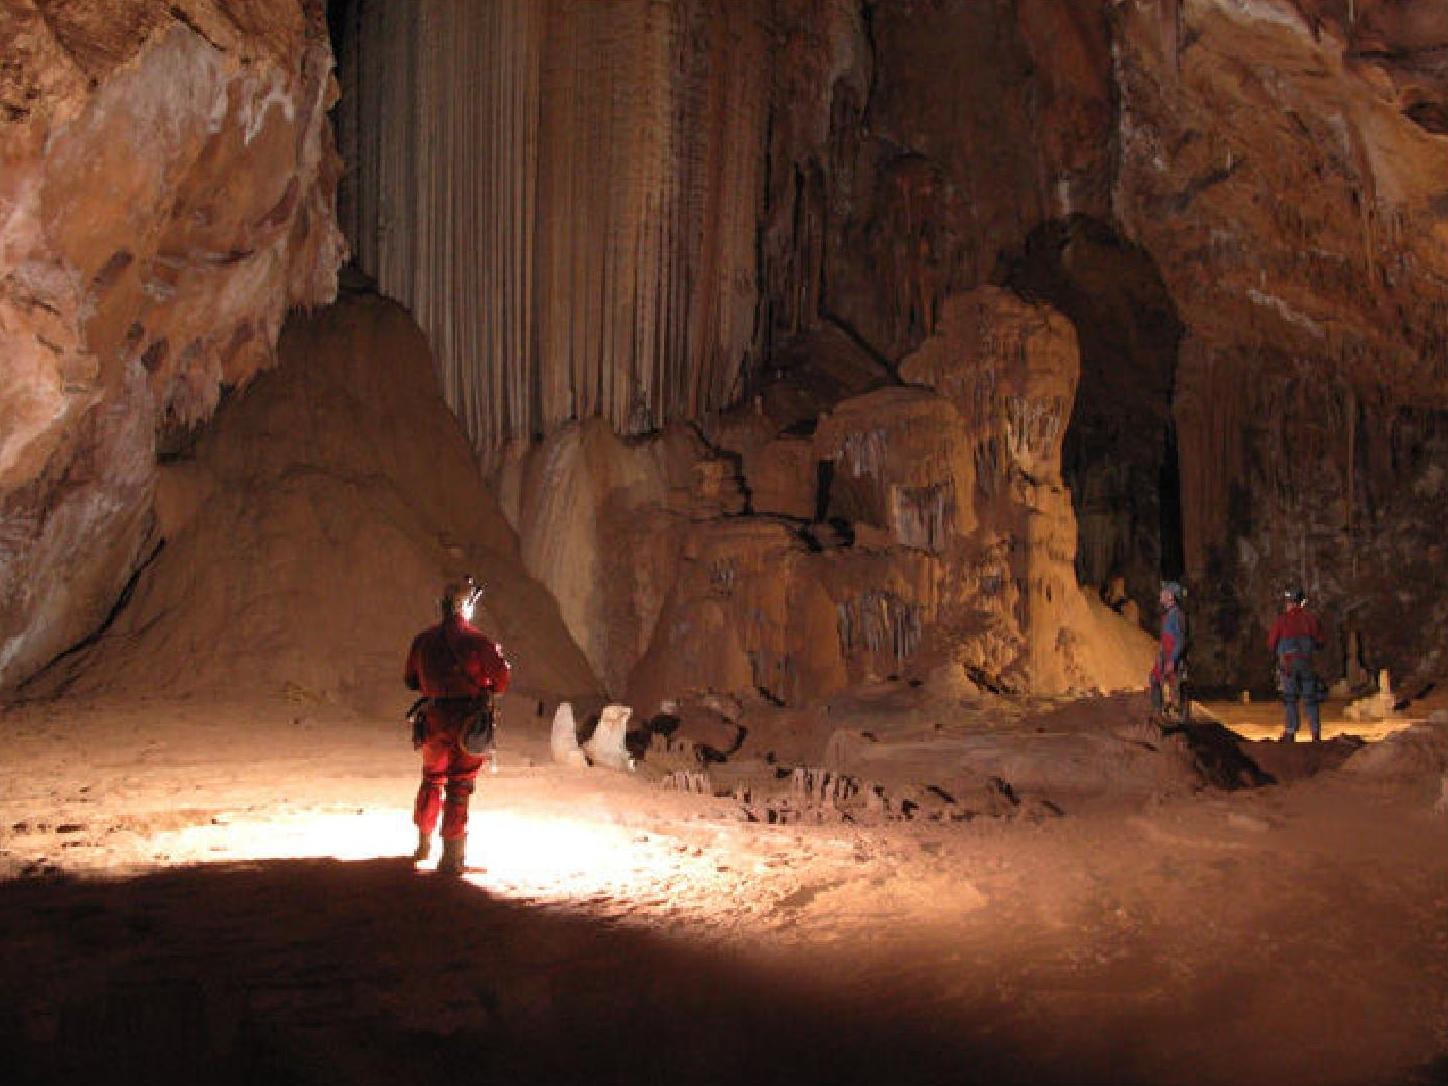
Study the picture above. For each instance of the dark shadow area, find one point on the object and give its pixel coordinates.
(1119, 455)
(1220, 753)
(317, 971)
(1297, 761)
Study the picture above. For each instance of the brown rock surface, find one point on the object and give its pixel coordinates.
(1238, 204)
(166, 196)
(600, 522)
(308, 534)
(957, 544)
(1280, 162)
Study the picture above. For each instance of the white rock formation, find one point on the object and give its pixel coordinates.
(564, 740)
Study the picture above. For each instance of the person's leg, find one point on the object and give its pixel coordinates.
(1182, 713)
(461, 780)
(1287, 687)
(1312, 698)
(1289, 714)
(427, 808)
(455, 805)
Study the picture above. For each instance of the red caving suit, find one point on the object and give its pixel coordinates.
(454, 664)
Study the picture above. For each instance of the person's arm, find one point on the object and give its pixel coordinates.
(410, 676)
(484, 665)
(499, 673)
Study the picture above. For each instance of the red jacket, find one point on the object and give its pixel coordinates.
(454, 660)
(1296, 633)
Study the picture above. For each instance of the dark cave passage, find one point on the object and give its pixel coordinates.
(1120, 452)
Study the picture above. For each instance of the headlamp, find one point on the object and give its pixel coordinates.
(474, 592)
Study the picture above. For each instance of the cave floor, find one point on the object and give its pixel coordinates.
(198, 892)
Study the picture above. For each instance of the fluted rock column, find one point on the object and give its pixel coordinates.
(566, 194)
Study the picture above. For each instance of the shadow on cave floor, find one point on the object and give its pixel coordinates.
(320, 971)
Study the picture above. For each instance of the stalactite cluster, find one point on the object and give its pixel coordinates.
(567, 196)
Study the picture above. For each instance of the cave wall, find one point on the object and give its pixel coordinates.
(646, 212)
(166, 195)
(1286, 165)
(982, 121)
(921, 532)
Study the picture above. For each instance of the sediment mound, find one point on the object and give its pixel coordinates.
(1413, 753)
(307, 533)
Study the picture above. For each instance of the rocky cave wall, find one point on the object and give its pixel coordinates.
(919, 531)
(1287, 167)
(808, 217)
(166, 195)
(1238, 203)
(671, 250)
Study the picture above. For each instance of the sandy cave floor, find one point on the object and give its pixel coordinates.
(197, 892)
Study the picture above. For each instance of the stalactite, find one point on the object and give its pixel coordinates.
(567, 195)
(923, 516)
(863, 453)
(877, 622)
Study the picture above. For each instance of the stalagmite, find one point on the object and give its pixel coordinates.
(564, 741)
(607, 745)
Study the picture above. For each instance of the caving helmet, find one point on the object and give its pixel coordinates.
(461, 598)
(1174, 590)
(1295, 594)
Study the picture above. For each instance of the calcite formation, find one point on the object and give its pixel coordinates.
(936, 532)
(582, 240)
(166, 194)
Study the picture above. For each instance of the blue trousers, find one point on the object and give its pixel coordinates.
(1299, 683)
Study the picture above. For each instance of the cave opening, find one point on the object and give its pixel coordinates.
(1120, 456)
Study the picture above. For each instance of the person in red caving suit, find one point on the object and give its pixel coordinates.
(1294, 638)
(459, 672)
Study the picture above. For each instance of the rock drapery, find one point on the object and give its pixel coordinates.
(567, 195)
(166, 195)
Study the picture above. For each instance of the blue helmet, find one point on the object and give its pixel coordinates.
(1295, 594)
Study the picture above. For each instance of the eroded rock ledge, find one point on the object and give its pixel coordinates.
(166, 195)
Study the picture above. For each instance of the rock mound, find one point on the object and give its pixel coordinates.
(1419, 751)
(307, 533)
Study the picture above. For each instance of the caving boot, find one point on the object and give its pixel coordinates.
(424, 847)
(452, 856)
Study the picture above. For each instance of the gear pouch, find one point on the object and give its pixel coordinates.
(479, 734)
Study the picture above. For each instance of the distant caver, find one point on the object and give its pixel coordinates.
(1295, 637)
(1169, 671)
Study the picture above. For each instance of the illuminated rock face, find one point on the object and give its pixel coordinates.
(309, 532)
(1237, 202)
(166, 195)
(957, 547)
